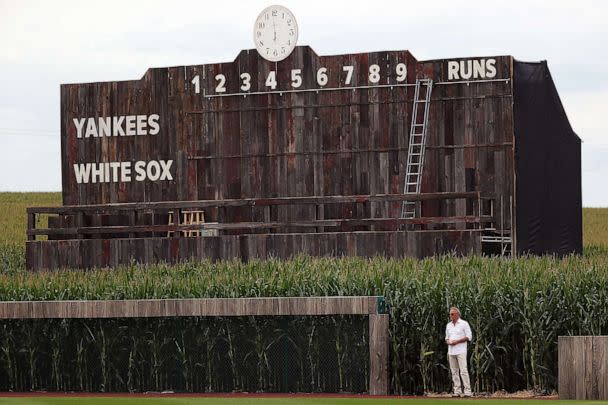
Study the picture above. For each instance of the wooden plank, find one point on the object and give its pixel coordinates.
(378, 354)
(249, 201)
(272, 306)
(175, 229)
(588, 376)
(600, 355)
(96, 253)
(31, 224)
(564, 362)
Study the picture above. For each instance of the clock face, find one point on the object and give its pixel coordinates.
(275, 33)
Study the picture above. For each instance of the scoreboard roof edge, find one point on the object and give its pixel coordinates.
(300, 47)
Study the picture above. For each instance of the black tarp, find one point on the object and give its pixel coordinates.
(547, 166)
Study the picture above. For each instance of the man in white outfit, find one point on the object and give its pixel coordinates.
(457, 335)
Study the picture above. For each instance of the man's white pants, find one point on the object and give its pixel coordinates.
(458, 366)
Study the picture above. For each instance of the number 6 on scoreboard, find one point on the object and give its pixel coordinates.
(322, 76)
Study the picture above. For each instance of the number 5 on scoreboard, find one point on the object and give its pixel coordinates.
(296, 78)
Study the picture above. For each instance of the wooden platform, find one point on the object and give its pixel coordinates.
(89, 253)
(110, 235)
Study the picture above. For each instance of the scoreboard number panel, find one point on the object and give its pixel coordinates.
(271, 83)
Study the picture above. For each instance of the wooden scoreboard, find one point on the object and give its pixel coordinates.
(306, 126)
(283, 151)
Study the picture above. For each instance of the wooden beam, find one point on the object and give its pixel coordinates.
(378, 354)
(111, 252)
(170, 205)
(31, 225)
(392, 222)
(276, 306)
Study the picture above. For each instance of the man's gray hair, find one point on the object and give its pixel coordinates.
(455, 309)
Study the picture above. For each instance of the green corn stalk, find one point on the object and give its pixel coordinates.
(31, 334)
(103, 357)
(313, 353)
(339, 351)
(183, 358)
(55, 359)
(515, 334)
(131, 367)
(8, 345)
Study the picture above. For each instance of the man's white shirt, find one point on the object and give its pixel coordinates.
(458, 331)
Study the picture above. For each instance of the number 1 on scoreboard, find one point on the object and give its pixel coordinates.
(196, 81)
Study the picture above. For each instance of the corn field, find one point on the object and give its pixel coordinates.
(517, 309)
(243, 354)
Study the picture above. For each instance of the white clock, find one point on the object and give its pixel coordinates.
(275, 33)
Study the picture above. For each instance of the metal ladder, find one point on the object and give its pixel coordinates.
(416, 148)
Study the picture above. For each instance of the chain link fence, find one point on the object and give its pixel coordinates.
(186, 354)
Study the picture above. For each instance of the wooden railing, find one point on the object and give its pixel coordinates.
(133, 212)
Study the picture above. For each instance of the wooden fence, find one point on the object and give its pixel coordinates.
(373, 307)
(109, 235)
(583, 367)
(76, 222)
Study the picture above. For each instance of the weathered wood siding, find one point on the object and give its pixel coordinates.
(89, 253)
(379, 341)
(258, 306)
(470, 140)
(336, 142)
(583, 367)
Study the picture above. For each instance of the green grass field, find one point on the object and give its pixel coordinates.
(595, 227)
(13, 217)
(270, 401)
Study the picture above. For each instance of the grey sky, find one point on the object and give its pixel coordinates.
(44, 44)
